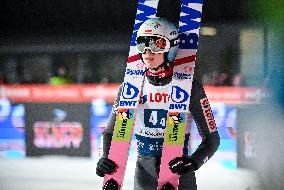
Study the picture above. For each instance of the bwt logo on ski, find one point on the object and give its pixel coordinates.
(145, 12)
(179, 96)
(190, 22)
(123, 124)
(176, 128)
(134, 72)
(182, 76)
(129, 92)
(208, 114)
(188, 41)
(191, 17)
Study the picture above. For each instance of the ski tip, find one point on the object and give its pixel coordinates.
(167, 186)
(111, 185)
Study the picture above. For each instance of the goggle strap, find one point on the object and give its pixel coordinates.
(174, 42)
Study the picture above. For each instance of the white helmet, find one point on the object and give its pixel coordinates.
(159, 27)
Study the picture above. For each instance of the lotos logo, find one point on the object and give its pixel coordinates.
(179, 95)
(208, 114)
(155, 97)
(129, 91)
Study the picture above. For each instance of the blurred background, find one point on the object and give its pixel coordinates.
(61, 63)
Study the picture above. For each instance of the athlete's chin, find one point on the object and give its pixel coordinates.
(149, 64)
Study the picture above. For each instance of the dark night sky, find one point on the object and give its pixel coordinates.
(19, 17)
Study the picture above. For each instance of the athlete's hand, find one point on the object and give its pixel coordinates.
(182, 165)
(105, 166)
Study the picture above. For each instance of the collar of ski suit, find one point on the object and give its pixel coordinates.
(158, 81)
(162, 74)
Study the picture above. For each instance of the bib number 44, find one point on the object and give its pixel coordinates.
(155, 118)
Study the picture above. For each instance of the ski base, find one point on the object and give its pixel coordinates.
(111, 185)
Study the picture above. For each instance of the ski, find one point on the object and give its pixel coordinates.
(178, 111)
(129, 99)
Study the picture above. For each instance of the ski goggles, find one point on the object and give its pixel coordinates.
(156, 44)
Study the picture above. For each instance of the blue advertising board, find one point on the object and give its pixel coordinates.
(12, 131)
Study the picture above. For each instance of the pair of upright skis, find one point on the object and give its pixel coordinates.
(189, 24)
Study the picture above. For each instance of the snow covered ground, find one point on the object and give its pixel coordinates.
(61, 173)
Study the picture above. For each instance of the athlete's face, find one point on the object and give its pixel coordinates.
(152, 60)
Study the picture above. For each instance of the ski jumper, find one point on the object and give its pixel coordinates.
(149, 131)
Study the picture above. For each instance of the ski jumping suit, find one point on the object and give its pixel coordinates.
(149, 131)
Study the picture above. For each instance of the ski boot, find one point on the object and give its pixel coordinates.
(167, 186)
(111, 185)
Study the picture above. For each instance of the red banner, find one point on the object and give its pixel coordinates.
(87, 93)
(66, 93)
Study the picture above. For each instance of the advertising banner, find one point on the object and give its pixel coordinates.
(12, 131)
(87, 93)
(57, 129)
(69, 120)
(100, 111)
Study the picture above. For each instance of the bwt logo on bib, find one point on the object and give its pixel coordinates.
(179, 96)
(129, 92)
